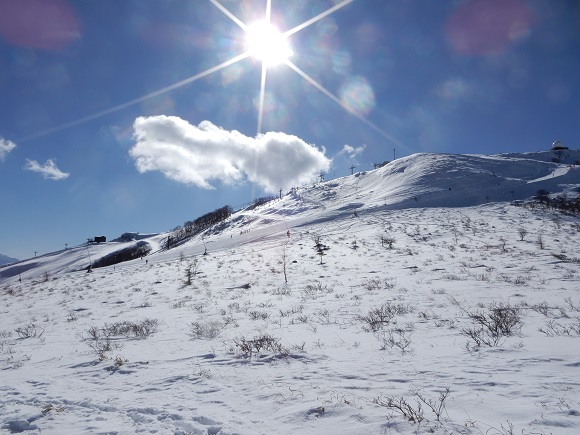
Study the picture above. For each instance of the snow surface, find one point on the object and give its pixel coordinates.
(457, 249)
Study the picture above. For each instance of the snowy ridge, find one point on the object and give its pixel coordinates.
(419, 180)
(270, 333)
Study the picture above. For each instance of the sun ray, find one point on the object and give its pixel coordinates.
(341, 104)
(227, 63)
(268, 10)
(229, 15)
(139, 99)
(262, 95)
(264, 73)
(316, 18)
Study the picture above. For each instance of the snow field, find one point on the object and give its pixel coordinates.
(327, 370)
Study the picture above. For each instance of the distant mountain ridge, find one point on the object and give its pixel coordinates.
(4, 259)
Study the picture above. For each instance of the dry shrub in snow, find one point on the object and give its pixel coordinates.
(101, 340)
(490, 326)
(103, 345)
(554, 328)
(398, 338)
(29, 331)
(387, 240)
(415, 413)
(258, 345)
(258, 315)
(376, 318)
(312, 291)
(125, 329)
(209, 329)
(379, 284)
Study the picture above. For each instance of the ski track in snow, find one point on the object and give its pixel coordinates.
(445, 263)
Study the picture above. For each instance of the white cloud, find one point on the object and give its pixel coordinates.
(201, 154)
(48, 170)
(5, 147)
(351, 151)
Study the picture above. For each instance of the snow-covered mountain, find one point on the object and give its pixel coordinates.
(420, 180)
(427, 296)
(4, 259)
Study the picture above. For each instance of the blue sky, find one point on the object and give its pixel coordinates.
(96, 139)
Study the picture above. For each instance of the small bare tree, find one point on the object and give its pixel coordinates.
(317, 242)
(319, 246)
(502, 242)
(284, 261)
(540, 241)
(455, 232)
(191, 270)
(523, 233)
(321, 253)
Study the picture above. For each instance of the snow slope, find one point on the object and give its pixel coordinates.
(420, 180)
(68, 366)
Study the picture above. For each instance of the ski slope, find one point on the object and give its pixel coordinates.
(68, 367)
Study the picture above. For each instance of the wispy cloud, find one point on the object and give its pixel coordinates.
(5, 147)
(453, 89)
(205, 153)
(48, 170)
(351, 151)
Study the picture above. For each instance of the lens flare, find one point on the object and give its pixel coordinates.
(358, 96)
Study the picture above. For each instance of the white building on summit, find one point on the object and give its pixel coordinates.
(559, 146)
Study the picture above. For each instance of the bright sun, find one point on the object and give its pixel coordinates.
(266, 43)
